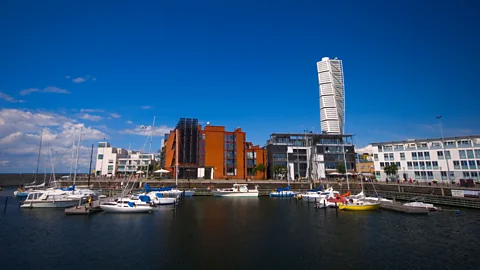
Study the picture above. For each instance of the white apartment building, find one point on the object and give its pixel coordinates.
(429, 159)
(113, 161)
(332, 95)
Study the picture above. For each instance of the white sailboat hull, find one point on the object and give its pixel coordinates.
(123, 208)
(50, 204)
(164, 201)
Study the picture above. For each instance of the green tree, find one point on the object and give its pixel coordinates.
(260, 168)
(390, 169)
(279, 169)
(341, 168)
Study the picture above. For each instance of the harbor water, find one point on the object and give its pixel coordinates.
(237, 233)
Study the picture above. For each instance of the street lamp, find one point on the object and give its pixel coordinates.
(443, 146)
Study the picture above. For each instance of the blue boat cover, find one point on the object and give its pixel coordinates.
(148, 188)
(144, 198)
(159, 195)
(70, 188)
(131, 204)
(283, 189)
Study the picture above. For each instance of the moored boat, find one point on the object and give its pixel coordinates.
(50, 199)
(238, 190)
(359, 205)
(428, 206)
(125, 206)
(283, 192)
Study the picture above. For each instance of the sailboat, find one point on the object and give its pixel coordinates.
(360, 203)
(23, 192)
(284, 192)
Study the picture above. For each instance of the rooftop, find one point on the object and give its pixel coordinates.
(430, 140)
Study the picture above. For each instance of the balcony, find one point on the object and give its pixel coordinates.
(436, 147)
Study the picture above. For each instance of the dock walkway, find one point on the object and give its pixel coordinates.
(84, 209)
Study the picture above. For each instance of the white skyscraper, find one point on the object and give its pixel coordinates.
(332, 95)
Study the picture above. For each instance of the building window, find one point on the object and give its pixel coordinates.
(440, 154)
(474, 175)
(435, 165)
(477, 153)
(385, 156)
(470, 154)
(456, 164)
(417, 175)
(382, 165)
(429, 165)
(110, 161)
(398, 165)
(462, 155)
(402, 156)
(415, 165)
(375, 156)
(100, 156)
(110, 167)
(422, 165)
(420, 155)
(427, 155)
(101, 145)
(414, 156)
(430, 175)
(250, 155)
(464, 164)
(471, 164)
(391, 156)
(466, 174)
(377, 173)
(409, 165)
(447, 154)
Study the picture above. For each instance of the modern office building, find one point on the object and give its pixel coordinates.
(220, 154)
(429, 159)
(308, 156)
(332, 95)
(113, 161)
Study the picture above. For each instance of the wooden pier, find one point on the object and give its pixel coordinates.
(398, 207)
(84, 209)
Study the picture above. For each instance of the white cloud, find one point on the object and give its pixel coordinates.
(115, 115)
(10, 98)
(129, 122)
(90, 117)
(78, 80)
(49, 89)
(82, 79)
(91, 110)
(68, 77)
(367, 149)
(20, 137)
(4, 162)
(146, 107)
(146, 130)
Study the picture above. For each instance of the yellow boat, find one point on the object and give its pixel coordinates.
(359, 207)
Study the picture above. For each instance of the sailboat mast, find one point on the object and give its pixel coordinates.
(90, 169)
(38, 158)
(176, 157)
(53, 166)
(78, 151)
(150, 147)
(73, 147)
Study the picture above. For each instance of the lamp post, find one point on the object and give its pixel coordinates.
(443, 146)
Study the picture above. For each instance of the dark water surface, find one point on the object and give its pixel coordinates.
(238, 233)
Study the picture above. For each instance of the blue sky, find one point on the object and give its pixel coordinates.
(249, 64)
